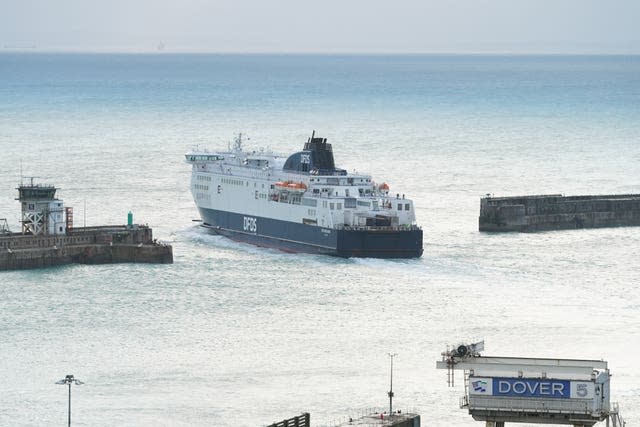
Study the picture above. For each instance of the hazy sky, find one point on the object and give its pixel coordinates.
(571, 26)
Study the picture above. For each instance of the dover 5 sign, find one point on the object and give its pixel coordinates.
(531, 388)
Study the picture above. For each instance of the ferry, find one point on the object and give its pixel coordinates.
(301, 203)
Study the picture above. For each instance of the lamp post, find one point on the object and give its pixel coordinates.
(68, 380)
(391, 356)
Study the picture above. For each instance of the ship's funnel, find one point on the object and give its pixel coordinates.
(316, 158)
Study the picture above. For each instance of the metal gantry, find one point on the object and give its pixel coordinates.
(68, 380)
(4, 226)
(531, 390)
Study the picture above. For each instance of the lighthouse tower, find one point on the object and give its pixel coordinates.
(42, 213)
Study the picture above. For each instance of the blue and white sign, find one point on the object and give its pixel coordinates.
(531, 388)
(481, 386)
(583, 389)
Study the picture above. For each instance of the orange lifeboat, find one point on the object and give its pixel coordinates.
(282, 184)
(297, 186)
(384, 186)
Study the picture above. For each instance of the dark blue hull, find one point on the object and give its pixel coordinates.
(294, 237)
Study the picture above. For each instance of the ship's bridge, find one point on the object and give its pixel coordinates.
(202, 157)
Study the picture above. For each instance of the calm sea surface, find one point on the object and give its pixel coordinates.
(236, 335)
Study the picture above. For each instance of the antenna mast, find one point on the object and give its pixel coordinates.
(237, 146)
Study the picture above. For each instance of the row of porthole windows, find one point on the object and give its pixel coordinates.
(335, 181)
(202, 187)
(234, 181)
(259, 195)
(203, 178)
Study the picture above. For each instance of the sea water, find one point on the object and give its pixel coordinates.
(231, 334)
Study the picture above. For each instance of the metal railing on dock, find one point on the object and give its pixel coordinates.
(303, 420)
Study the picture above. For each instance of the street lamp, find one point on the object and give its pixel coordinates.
(391, 356)
(68, 380)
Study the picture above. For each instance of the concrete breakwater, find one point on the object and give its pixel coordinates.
(91, 245)
(557, 212)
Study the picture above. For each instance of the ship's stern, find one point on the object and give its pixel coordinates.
(380, 243)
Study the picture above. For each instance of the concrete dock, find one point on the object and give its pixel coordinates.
(384, 420)
(373, 419)
(48, 236)
(93, 245)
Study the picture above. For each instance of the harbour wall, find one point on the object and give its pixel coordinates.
(557, 212)
(94, 245)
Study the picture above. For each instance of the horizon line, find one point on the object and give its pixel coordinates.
(35, 50)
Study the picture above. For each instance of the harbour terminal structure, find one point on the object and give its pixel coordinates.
(302, 203)
(48, 236)
(500, 390)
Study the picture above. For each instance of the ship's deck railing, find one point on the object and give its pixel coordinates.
(240, 170)
(368, 197)
(378, 227)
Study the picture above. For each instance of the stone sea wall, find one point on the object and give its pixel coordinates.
(557, 212)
